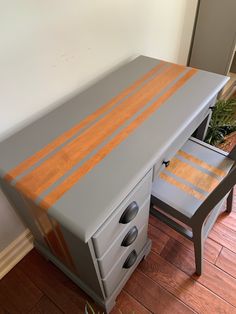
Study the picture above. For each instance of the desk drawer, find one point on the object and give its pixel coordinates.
(117, 249)
(112, 228)
(118, 271)
(181, 138)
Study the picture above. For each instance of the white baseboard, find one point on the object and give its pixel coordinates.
(12, 254)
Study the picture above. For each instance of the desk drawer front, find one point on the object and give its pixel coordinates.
(128, 259)
(112, 228)
(117, 250)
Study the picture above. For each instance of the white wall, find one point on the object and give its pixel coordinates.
(170, 25)
(50, 49)
(10, 224)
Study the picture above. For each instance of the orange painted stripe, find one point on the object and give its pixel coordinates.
(182, 186)
(31, 161)
(204, 181)
(202, 163)
(39, 179)
(61, 189)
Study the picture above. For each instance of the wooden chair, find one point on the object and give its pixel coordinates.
(188, 195)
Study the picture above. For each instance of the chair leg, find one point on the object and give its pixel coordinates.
(198, 242)
(229, 202)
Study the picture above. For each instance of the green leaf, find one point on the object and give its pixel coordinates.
(223, 121)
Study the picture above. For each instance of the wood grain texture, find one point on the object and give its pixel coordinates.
(52, 169)
(211, 251)
(181, 186)
(162, 284)
(229, 220)
(29, 162)
(126, 304)
(52, 197)
(193, 175)
(2, 311)
(18, 294)
(218, 171)
(52, 234)
(153, 296)
(159, 238)
(212, 278)
(192, 293)
(45, 306)
(227, 262)
(224, 236)
(60, 289)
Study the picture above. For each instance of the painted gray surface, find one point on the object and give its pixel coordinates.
(143, 254)
(106, 235)
(85, 263)
(179, 140)
(117, 272)
(135, 156)
(38, 134)
(90, 202)
(199, 216)
(48, 255)
(108, 303)
(180, 200)
(18, 204)
(114, 252)
(215, 36)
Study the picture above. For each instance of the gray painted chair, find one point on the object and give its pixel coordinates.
(188, 195)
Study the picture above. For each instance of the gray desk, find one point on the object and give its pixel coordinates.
(81, 176)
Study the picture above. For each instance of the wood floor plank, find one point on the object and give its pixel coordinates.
(227, 261)
(224, 236)
(213, 278)
(189, 291)
(126, 304)
(57, 286)
(180, 256)
(45, 306)
(158, 237)
(228, 220)
(18, 294)
(2, 311)
(211, 249)
(153, 296)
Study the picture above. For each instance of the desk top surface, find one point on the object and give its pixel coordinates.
(79, 161)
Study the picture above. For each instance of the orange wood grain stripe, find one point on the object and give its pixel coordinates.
(46, 228)
(29, 162)
(57, 193)
(202, 163)
(193, 175)
(63, 244)
(51, 233)
(42, 177)
(182, 186)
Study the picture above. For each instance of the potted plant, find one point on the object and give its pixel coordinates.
(223, 121)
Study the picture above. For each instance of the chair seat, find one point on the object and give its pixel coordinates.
(192, 175)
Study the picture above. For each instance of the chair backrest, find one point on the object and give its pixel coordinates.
(219, 192)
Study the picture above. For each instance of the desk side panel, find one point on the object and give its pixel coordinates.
(85, 262)
(20, 207)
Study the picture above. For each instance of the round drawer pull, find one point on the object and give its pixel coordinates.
(130, 260)
(129, 213)
(130, 237)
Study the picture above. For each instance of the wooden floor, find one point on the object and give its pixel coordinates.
(164, 283)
